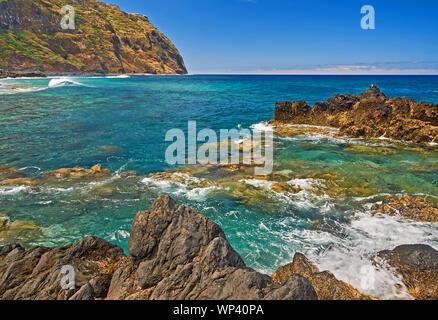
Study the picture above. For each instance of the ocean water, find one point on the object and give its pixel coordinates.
(120, 122)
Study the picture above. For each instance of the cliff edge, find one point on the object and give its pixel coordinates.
(105, 40)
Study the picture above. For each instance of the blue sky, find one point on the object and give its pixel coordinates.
(297, 36)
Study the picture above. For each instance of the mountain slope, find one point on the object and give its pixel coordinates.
(105, 40)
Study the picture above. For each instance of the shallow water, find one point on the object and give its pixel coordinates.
(120, 122)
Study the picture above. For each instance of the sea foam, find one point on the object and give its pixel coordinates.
(63, 82)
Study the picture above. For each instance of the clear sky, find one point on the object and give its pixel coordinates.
(297, 36)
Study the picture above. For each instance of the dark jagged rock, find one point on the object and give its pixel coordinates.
(10, 74)
(35, 273)
(176, 253)
(4, 250)
(285, 110)
(372, 92)
(370, 114)
(418, 264)
(325, 283)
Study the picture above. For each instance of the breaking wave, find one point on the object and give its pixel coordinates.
(63, 82)
(185, 185)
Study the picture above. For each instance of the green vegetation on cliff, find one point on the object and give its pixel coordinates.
(105, 40)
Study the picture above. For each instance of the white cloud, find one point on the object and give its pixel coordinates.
(392, 68)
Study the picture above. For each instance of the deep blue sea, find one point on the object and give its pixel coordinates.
(120, 122)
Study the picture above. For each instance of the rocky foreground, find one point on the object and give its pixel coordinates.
(177, 253)
(370, 114)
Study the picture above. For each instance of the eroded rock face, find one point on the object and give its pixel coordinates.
(418, 264)
(176, 253)
(36, 273)
(325, 283)
(105, 40)
(418, 209)
(370, 114)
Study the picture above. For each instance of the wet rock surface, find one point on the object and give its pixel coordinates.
(325, 283)
(418, 264)
(79, 172)
(17, 229)
(370, 114)
(418, 209)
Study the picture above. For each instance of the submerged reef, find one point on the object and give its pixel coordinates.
(418, 209)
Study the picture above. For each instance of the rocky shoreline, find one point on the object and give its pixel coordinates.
(30, 74)
(370, 114)
(38, 74)
(177, 253)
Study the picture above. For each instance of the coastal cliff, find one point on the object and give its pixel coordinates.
(177, 253)
(105, 40)
(370, 114)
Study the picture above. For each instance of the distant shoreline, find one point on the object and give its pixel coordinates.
(38, 74)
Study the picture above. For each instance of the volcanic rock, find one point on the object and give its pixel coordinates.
(418, 264)
(418, 209)
(370, 114)
(326, 285)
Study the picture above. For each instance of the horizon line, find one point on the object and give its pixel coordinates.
(311, 74)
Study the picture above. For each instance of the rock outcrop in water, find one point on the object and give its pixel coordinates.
(105, 40)
(78, 172)
(11, 229)
(418, 209)
(418, 264)
(370, 114)
(175, 253)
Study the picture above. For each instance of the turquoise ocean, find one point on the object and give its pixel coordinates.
(120, 122)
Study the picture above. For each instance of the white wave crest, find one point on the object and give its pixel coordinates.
(63, 82)
(14, 89)
(12, 190)
(261, 126)
(265, 184)
(183, 184)
(120, 76)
